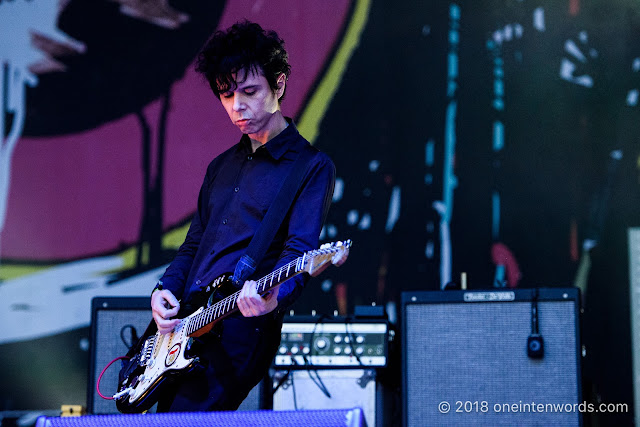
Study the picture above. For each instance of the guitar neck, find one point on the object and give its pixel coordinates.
(228, 305)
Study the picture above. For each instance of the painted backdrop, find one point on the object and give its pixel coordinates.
(497, 139)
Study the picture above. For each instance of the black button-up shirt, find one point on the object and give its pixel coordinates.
(238, 188)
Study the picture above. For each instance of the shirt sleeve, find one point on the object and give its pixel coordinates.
(306, 218)
(176, 274)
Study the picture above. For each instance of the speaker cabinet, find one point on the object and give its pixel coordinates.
(329, 389)
(116, 322)
(327, 418)
(466, 360)
(260, 397)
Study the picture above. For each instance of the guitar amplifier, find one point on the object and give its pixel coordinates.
(318, 342)
(468, 357)
(116, 322)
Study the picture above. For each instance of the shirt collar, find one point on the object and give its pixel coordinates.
(280, 144)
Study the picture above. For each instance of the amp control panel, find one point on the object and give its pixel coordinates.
(306, 344)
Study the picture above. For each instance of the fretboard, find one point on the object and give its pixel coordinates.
(228, 305)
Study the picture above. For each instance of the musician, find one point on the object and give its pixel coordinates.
(247, 68)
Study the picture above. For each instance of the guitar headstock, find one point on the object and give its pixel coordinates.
(335, 252)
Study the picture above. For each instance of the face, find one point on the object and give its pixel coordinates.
(252, 105)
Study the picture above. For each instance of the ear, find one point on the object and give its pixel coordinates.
(281, 82)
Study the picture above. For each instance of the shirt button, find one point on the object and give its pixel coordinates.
(249, 157)
(198, 282)
(224, 221)
(236, 189)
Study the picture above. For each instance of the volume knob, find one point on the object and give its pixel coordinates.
(321, 343)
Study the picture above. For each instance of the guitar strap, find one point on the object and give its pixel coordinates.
(272, 219)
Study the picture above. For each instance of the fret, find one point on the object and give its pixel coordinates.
(216, 309)
(227, 305)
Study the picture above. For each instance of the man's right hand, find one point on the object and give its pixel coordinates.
(164, 306)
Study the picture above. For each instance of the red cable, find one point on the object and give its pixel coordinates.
(100, 377)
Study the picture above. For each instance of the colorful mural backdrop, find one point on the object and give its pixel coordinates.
(496, 139)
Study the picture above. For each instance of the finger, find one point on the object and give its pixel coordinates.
(252, 308)
(251, 297)
(163, 313)
(167, 329)
(242, 302)
(165, 325)
(170, 298)
(250, 288)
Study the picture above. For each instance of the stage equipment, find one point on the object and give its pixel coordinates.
(468, 360)
(326, 418)
(330, 389)
(116, 324)
(260, 397)
(323, 342)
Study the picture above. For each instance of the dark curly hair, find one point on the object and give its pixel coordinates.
(244, 46)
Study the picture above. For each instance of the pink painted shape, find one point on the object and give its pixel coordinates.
(80, 195)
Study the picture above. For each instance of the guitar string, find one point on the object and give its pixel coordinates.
(228, 303)
(218, 309)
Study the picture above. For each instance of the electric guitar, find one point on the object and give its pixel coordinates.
(158, 357)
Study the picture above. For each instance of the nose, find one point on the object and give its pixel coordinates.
(238, 103)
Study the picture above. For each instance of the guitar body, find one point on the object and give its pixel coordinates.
(159, 357)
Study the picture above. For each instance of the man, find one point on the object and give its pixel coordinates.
(247, 68)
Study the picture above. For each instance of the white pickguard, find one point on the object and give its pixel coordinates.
(167, 353)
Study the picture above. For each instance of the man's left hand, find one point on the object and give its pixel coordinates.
(251, 303)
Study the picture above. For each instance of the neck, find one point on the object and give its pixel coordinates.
(277, 124)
